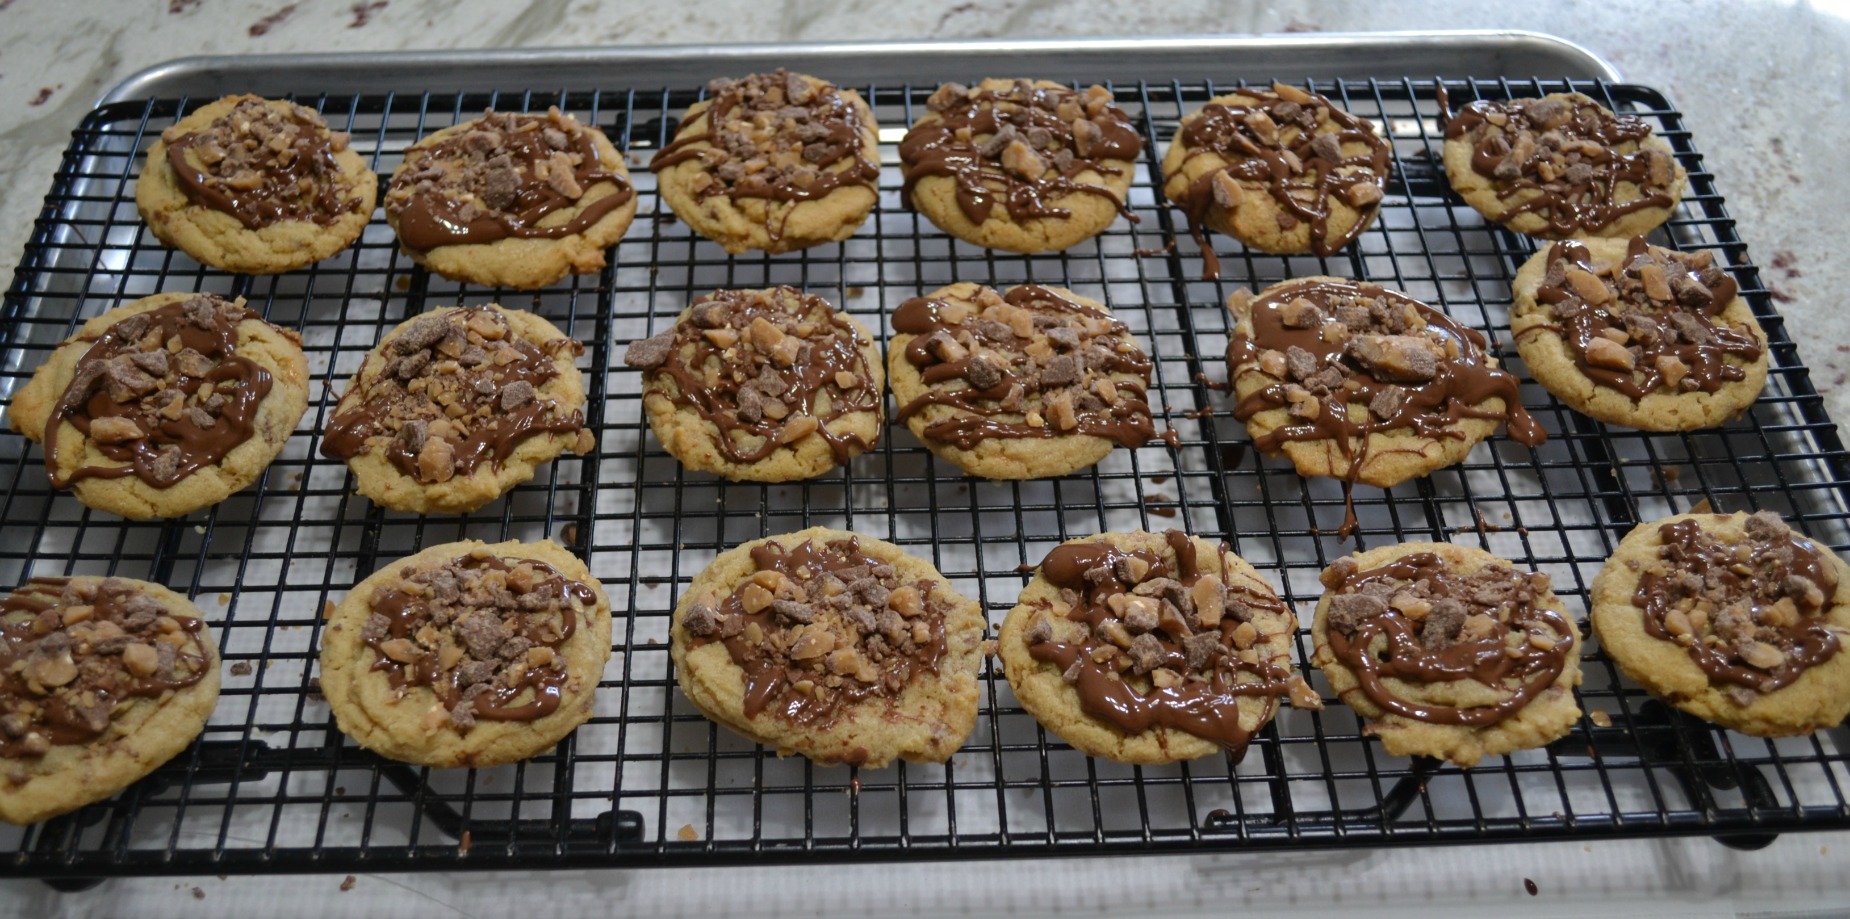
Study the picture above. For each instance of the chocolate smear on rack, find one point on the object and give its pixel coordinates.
(501, 177)
(1288, 143)
(1350, 360)
(1751, 612)
(1060, 366)
(263, 166)
(767, 368)
(456, 389)
(75, 653)
(1164, 642)
(1025, 147)
(820, 627)
(1563, 159)
(486, 634)
(162, 393)
(1649, 323)
(1422, 621)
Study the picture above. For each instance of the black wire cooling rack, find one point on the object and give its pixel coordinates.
(271, 785)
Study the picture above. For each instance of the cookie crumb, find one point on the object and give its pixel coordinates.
(462, 847)
(1599, 718)
(688, 833)
(347, 884)
(241, 668)
(198, 894)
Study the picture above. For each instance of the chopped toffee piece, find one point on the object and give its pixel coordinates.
(457, 388)
(1751, 613)
(499, 178)
(73, 654)
(1025, 147)
(817, 628)
(263, 165)
(486, 634)
(1649, 323)
(1058, 366)
(1420, 621)
(163, 392)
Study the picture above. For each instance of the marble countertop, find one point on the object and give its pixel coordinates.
(1758, 81)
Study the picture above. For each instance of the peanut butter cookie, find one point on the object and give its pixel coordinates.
(467, 654)
(1733, 618)
(1058, 161)
(1036, 383)
(762, 385)
(511, 200)
(1448, 651)
(101, 681)
(165, 405)
(256, 186)
(1633, 334)
(1151, 649)
(457, 406)
(775, 161)
(836, 646)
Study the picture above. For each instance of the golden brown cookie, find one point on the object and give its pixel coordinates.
(257, 186)
(1036, 383)
(1283, 171)
(101, 681)
(165, 405)
(1733, 618)
(458, 405)
(1147, 649)
(833, 645)
(762, 385)
(1560, 166)
(775, 161)
(467, 654)
(1448, 651)
(1633, 334)
(1020, 165)
(511, 200)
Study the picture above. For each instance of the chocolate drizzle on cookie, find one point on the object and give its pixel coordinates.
(1751, 613)
(264, 166)
(1423, 621)
(766, 368)
(1562, 158)
(1161, 642)
(1059, 366)
(1351, 360)
(486, 634)
(162, 393)
(456, 388)
(1288, 143)
(1025, 146)
(501, 177)
(1648, 323)
(73, 653)
(820, 627)
(779, 137)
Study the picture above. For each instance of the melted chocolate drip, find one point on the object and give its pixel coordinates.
(171, 448)
(305, 185)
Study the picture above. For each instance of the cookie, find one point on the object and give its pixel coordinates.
(511, 200)
(1560, 166)
(1148, 649)
(165, 405)
(762, 385)
(775, 161)
(1036, 383)
(101, 681)
(458, 405)
(1285, 171)
(1733, 618)
(467, 654)
(1448, 651)
(1633, 334)
(255, 186)
(1353, 380)
(1057, 161)
(832, 645)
